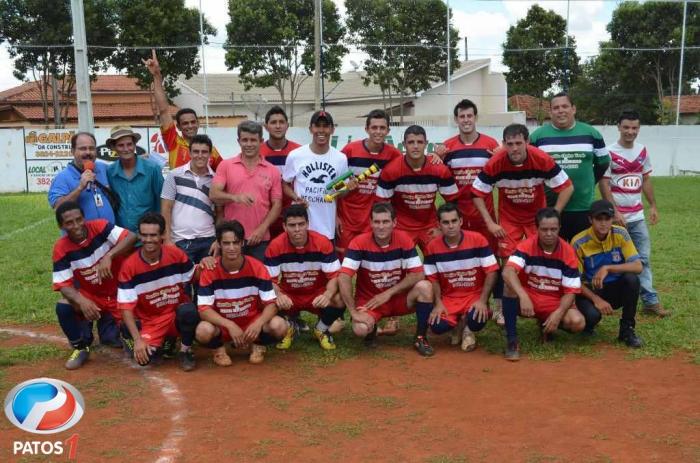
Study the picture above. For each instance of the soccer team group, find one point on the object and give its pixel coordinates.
(232, 251)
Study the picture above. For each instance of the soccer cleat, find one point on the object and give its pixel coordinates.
(468, 340)
(656, 309)
(629, 337)
(324, 339)
(221, 358)
(456, 333)
(187, 362)
(77, 358)
(288, 338)
(169, 346)
(423, 346)
(257, 354)
(513, 351)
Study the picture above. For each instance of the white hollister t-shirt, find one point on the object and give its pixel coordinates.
(310, 173)
(626, 172)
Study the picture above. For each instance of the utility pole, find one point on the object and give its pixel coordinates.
(680, 70)
(204, 68)
(82, 78)
(317, 55)
(449, 68)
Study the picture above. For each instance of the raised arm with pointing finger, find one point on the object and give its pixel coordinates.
(185, 121)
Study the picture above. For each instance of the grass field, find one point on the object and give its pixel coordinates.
(28, 231)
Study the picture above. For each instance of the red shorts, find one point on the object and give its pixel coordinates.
(155, 333)
(481, 228)
(543, 307)
(458, 306)
(242, 322)
(343, 240)
(302, 302)
(421, 238)
(108, 304)
(515, 233)
(397, 305)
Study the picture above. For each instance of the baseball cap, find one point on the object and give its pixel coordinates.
(602, 206)
(321, 115)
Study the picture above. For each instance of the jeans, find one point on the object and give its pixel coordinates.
(639, 232)
(257, 251)
(623, 292)
(196, 249)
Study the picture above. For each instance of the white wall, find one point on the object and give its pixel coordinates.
(672, 149)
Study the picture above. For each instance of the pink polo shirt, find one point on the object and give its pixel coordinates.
(263, 182)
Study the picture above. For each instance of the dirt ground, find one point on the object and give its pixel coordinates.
(389, 405)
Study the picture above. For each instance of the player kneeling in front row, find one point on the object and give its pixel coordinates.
(152, 290)
(84, 272)
(543, 274)
(389, 279)
(304, 270)
(463, 271)
(236, 301)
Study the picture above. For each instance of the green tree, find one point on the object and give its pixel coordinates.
(158, 23)
(653, 25)
(27, 25)
(403, 70)
(533, 71)
(284, 30)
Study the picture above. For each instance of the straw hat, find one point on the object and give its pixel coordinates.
(121, 131)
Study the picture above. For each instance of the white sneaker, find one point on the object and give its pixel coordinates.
(498, 314)
(468, 340)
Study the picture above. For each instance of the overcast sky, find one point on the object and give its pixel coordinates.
(484, 23)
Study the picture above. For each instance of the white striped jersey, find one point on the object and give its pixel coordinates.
(379, 268)
(237, 295)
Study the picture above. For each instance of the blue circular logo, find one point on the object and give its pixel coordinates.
(44, 406)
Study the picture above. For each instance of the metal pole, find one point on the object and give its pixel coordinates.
(204, 68)
(323, 71)
(317, 55)
(566, 49)
(82, 76)
(680, 70)
(449, 67)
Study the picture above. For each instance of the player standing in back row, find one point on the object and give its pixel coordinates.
(354, 208)
(411, 184)
(580, 150)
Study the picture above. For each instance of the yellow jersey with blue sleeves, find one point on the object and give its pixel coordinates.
(616, 248)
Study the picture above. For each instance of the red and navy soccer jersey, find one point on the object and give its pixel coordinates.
(304, 270)
(153, 291)
(379, 268)
(238, 296)
(413, 192)
(74, 264)
(354, 209)
(520, 188)
(546, 277)
(277, 157)
(465, 162)
(460, 270)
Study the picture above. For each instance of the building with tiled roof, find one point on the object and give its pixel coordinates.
(116, 100)
(690, 108)
(350, 100)
(536, 109)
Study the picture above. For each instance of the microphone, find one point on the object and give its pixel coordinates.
(89, 165)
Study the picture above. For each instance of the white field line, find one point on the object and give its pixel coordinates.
(170, 448)
(24, 229)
